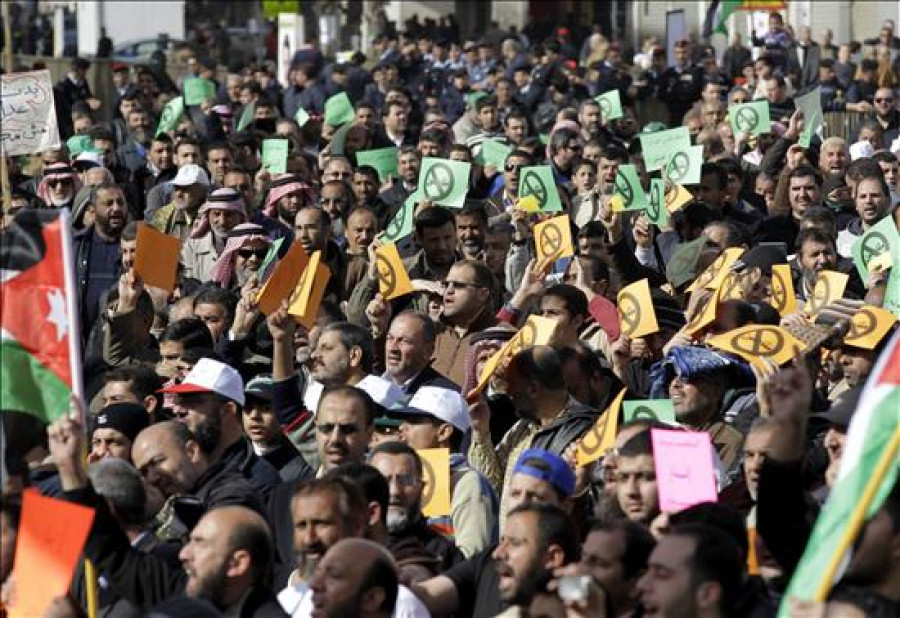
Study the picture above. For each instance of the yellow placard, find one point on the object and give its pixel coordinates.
(731, 288)
(537, 330)
(706, 315)
(715, 273)
(783, 297)
(636, 315)
(307, 296)
(393, 280)
(759, 340)
(602, 436)
(553, 238)
(880, 263)
(436, 481)
(617, 203)
(868, 327)
(529, 203)
(283, 280)
(828, 288)
(677, 198)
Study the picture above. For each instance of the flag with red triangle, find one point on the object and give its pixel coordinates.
(36, 315)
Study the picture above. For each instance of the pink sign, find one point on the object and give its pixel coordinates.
(684, 468)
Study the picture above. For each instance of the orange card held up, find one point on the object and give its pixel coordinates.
(283, 281)
(304, 302)
(156, 257)
(51, 536)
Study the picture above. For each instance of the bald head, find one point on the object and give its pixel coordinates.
(540, 364)
(168, 457)
(369, 580)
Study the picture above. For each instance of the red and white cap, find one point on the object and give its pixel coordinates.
(211, 376)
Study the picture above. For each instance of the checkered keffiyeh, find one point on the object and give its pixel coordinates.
(238, 238)
(220, 199)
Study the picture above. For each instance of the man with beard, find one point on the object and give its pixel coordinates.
(246, 246)
(873, 202)
(223, 210)
(591, 121)
(97, 250)
(219, 160)
(804, 192)
(227, 560)
(58, 186)
(208, 401)
(189, 190)
(159, 166)
(817, 252)
(362, 227)
(471, 230)
(133, 151)
(357, 578)
(402, 468)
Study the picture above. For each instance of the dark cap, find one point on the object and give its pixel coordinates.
(260, 387)
(80, 63)
(763, 257)
(841, 411)
(129, 419)
(557, 472)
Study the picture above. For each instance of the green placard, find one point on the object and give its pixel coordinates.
(473, 97)
(247, 116)
(537, 180)
(444, 182)
(656, 203)
(628, 187)
(752, 118)
(339, 110)
(382, 159)
(274, 155)
(401, 225)
(892, 292)
(658, 147)
(544, 138)
(650, 409)
(271, 256)
(271, 8)
(610, 105)
(811, 106)
(78, 144)
(880, 238)
(302, 117)
(684, 166)
(493, 153)
(196, 90)
(171, 115)
(682, 266)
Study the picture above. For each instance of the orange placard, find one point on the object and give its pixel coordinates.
(156, 257)
(305, 301)
(284, 280)
(436, 481)
(602, 436)
(51, 536)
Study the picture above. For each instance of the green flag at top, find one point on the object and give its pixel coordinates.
(444, 182)
(339, 110)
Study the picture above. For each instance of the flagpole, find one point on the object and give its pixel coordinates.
(858, 515)
(74, 324)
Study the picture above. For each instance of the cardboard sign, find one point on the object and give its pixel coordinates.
(51, 536)
(756, 341)
(29, 113)
(682, 265)
(658, 146)
(684, 468)
(304, 302)
(628, 188)
(610, 105)
(656, 203)
(156, 257)
(197, 90)
(271, 256)
(676, 198)
(274, 155)
(636, 315)
(813, 118)
(684, 166)
(536, 331)
(384, 160)
(705, 312)
(752, 117)
(78, 144)
(393, 280)
(553, 239)
(649, 409)
(829, 287)
(493, 153)
(171, 116)
(436, 481)
(879, 240)
(301, 117)
(868, 327)
(401, 225)
(715, 273)
(248, 113)
(783, 297)
(602, 436)
(538, 180)
(444, 182)
(283, 280)
(339, 110)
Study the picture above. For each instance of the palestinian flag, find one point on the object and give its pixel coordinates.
(720, 10)
(868, 471)
(38, 332)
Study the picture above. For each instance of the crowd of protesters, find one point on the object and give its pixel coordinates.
(243, 464)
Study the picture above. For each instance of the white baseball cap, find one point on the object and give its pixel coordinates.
(211, 376)
(190, 174)
(441, 403)
(383, 392)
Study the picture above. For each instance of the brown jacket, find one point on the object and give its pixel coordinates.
(451, 347)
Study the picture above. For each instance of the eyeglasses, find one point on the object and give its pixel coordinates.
(458, 285)
(346, 429)
(890, 100)
(55, 182)
(511, 167)
(331, 201)
(249, 253)
(403, 480)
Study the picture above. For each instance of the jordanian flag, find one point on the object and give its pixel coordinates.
(36, 322)
(720, 10)
(869, 466)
